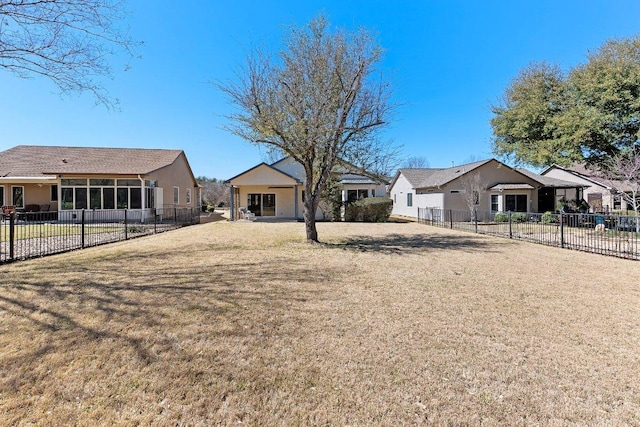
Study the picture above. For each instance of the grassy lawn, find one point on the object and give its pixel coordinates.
(389, 324)
(39, 230)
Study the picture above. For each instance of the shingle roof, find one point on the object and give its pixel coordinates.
(31, 160)
(584, 172)
(433, 177)
(548, 181)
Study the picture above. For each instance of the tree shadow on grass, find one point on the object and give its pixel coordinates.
(398, 244)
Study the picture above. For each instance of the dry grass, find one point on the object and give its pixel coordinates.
(390, 324)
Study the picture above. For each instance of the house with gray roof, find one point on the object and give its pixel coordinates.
(57, 179)
(602, 195)
(275, 191)
(503, 189)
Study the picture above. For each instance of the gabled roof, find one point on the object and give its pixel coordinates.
(348, 168)
(34, 161)
(436, 177)
(547, 181)
(583, 172)
(260, 165)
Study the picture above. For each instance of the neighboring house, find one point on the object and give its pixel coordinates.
(506, 189)
(602, 195)
(62, 179)
(276, 190)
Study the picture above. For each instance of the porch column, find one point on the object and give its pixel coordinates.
(232, 207)
(295, 201)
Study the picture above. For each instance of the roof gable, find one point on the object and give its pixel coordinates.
(263, 174)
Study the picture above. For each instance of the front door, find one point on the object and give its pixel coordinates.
(546, 200)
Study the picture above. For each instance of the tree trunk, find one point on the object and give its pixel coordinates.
(310, 221)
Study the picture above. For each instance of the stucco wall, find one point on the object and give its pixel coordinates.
(178, 175)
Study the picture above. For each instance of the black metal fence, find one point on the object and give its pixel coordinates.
(613, 235)
(35, 234)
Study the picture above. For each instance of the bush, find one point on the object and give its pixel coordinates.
(211, 208)
(372, 209)
(515, 217)
(549, 218)
(518, 217)
(501, 217)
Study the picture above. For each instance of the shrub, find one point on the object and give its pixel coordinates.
(518, 217)
(372, 209)
(501, 217)
(211, 208)
(549, 218)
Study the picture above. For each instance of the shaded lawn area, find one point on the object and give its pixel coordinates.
(388, 324)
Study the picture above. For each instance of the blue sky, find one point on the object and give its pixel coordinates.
(448, 61)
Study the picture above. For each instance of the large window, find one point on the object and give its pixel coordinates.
(409, 199)
(262, 204)
(17, 196)
(2, 195)
(355, 195)
(176, 195)
(102, 193)
(515, 202)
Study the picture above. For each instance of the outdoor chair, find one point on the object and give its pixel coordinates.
(7, 211)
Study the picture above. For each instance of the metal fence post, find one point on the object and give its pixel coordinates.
(451, 218)
(126, 226)
(510, 227)
(82, 230)
(561, 230)
(12, 226)
(155, 221)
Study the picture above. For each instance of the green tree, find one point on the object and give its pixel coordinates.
(588, 114)
(67, 41)
(318, 103)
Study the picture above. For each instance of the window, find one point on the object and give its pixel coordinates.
(135, 200)
(409, 199)
(188, 196)
(355, 195)
(2, 195)
(95, 198)
(515, 202)
(394, 199)
(176, 195)
(17, 196)
(262, 204)
(495, 207)
(122, 198)
(67, 198)
(81, 197)
(54, 192)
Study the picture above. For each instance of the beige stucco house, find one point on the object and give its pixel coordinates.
(72, 179)
(602, 195)
(276, 190)
(506, 189)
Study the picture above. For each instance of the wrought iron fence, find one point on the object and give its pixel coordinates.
(34, 234)
(606, 234)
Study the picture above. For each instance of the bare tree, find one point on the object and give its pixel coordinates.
(474, 188)
(416, 162)
(214, 191)
(318, 104)
(625, 168)
(67, 41)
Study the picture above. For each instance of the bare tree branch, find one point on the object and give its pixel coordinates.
(67, 41)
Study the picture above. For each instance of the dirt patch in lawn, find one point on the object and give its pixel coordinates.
(388, 324)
